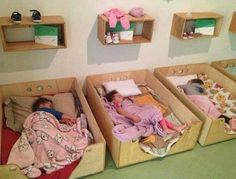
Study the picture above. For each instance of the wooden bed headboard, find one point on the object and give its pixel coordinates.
(37, 88)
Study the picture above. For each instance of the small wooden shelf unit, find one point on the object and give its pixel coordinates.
(232, 27)
(180, 19)
(144, 37)
(6, 23)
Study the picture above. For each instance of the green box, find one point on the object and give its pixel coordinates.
(205, 23)
(46, 34)
(119, 27)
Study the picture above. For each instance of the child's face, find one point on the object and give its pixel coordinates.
(47, 105)
(118, 98)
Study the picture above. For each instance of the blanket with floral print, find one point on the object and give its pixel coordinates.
(223, 99)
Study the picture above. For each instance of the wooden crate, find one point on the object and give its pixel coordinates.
(145, 37)
(22, 45)
(213, 129)
(126, 153)
(180, 19)
(93, 160)
(222, 64)
(232, 27)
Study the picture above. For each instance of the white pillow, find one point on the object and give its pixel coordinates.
(181, 80)
(124, 87)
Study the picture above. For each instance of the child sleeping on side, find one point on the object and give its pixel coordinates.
(196, 92)
(141, 114)
(44, 104)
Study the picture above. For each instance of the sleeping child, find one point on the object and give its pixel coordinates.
(141, 114)
(196, 92)
(44, 104)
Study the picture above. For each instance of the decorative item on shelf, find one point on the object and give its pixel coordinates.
(45, 34)
(205, 26)
(116, 15)
(189, 29)
(16, 17)
(115, 38)
(108, 38)
(136, 12)
(36, 16)
(125, 34)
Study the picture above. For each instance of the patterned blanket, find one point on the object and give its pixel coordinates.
(47, 144)
(223, 100)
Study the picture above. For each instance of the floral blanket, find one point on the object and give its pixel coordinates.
(222, 99)
(47, 144)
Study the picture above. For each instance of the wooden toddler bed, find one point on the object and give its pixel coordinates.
(93, 159)
(227, 67)
(126, 153)
(213, 129)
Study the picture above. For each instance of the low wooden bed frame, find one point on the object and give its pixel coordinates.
(93, 160)
(127, 153)
(222, 64)
(213, 129)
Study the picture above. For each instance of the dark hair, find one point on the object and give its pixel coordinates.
(109, 96)
(198, 81)
(37, 102)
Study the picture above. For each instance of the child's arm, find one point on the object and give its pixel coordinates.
(134, 118)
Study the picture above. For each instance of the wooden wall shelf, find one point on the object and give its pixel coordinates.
(180, 20)
(144, 37)
(232, 27)
(6, 23)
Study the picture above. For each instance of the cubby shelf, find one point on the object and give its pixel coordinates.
(144, 37)
(6, 23)
(180, 19)
(232, 27)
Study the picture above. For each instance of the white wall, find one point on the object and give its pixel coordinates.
(86, 55)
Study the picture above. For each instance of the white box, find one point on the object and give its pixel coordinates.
(126, 35)
(205, 30)
(47, 40)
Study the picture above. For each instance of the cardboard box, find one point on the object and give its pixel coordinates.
(125, 34)
(45, 34)
(205, 26)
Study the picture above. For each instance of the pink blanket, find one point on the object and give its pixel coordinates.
(46, 144)
(204, 103)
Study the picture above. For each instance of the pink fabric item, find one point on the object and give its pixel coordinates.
(165, 122)
(114, 15)
(136, 12)
(46, 144)
(204, 103)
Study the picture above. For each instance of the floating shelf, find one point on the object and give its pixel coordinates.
(144, 37)
(6, 23)
(232, 27)
(180, 20)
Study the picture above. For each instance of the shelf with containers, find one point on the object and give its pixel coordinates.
(141, 27)
(191, 25)
(21, 37)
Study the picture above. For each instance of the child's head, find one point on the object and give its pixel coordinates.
(41, 102)
(114, 96)
(196, 80)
